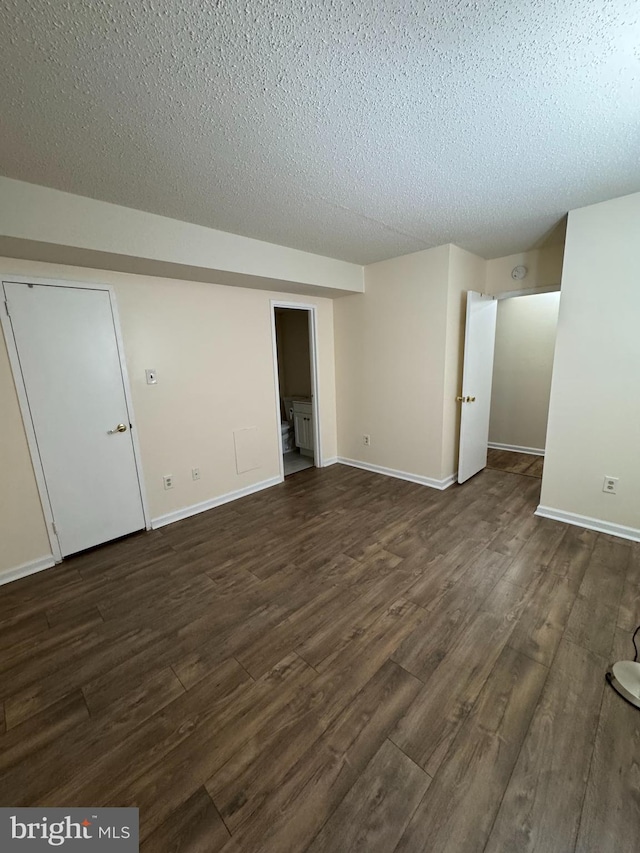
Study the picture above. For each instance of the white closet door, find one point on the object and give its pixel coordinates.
(479, 344)
(68, 352)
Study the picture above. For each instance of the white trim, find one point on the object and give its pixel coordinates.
(56, 282)
(401, 475)
(313, 355)
(530, 291)
(331, 460)
(25, 569)
(276, 386)
(597, 524)
(194, 509)
(137, 454)
(516, 448)
(23, 401)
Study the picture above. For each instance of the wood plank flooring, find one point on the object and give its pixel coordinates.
(516, 463)
(344, 662)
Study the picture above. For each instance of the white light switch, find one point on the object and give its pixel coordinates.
(152, 377)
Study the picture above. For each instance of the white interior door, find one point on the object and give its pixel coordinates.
(68, 353)
(479, 343)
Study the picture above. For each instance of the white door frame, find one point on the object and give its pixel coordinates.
(514, 294)
(318, 460)
(23, 400)
(531, 291)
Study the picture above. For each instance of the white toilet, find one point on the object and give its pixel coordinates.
(286, 426)
(288, 442)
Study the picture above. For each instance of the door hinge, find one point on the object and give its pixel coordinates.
(6, 308)
(55, 529)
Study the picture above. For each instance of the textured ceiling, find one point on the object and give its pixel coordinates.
(360, 130)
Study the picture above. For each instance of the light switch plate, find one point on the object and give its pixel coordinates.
(152, 377)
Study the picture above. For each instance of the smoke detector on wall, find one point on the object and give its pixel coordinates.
(518, 273)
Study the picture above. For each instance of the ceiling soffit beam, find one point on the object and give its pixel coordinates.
(38, 223)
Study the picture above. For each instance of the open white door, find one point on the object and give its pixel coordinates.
(69, 362)
(479, 343)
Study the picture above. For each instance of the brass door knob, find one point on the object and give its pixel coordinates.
(461, 399)
(119, 428)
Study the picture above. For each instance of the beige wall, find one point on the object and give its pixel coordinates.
(294, 362)
(390, 364)
(399, 350)
(544, 269)
(23, 536)
(522, 367)
(212, 348)
(594, 417)
(399, 353)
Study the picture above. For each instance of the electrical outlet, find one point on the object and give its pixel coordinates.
(195, 473)
(366, 440)
(610, 485)
(168, 481)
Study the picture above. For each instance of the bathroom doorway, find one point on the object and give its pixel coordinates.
(295, 365)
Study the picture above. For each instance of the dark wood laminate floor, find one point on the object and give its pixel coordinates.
(343, 662)
(515, 463)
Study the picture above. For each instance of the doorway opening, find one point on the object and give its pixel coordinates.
(506, 385)
(526, 329)
(295, 369)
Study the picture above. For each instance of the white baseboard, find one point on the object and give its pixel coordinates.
(597, 524)
(330, 461)
(515, 448)
(194, 509)
(400, 475)
(25, 569)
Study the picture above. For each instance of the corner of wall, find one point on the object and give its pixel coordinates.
(390, 363)
(593, 419)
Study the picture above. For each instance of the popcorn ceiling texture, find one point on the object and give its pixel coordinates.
(360, 130)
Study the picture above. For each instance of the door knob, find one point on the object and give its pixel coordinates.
(461, 399)
(471, 399)
(119, 428)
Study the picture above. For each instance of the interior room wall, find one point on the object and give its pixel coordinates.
(522, 367)
(294, 362)
(594, 413)
(544, 268)
(23, 536)
(211, 346)
(390, 364)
